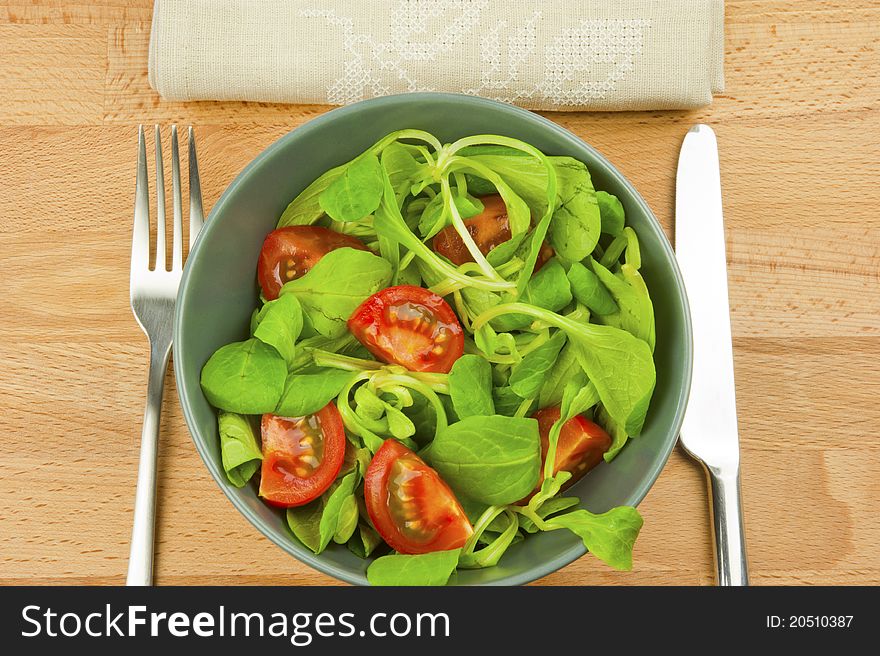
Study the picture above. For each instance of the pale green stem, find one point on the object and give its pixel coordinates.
(523, 408)
(462, 231)
(480, 526)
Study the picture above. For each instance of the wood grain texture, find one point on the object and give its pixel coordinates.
(797, 126)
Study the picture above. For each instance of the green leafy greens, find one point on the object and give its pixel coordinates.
(239, 449)
(338, 283)
(557, 314)
(423, 569)
(494, 459)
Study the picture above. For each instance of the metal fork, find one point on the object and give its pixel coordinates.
(153, 295)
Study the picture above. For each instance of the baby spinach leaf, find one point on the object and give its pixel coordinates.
(633, 251)
(344, 344)
(477, 301)
(422, 569)
(356, 193)
(305, 394)
(500, 374)
(380, 416)
(255, 318)
(337, 285)
(507, 402)
(473, 509)
(479, 186)
(615, 430)
(399, 425)
(347, 522)
(279, 324)
(505, 251)
(493, 460)
(402, 168)
(305, 209)
(369, 405)
(622, 369)
(470, 386)
(244, 377)
(576, 224)
(565, 368)
(609, 536)
(528, 376)
(423, 417)
(635, 312)
(335, 507)
(364, 541)
(549, 289)
(434, 217)
(305, 523)
(239, 449)
(580, 395)
(589, 290)
(390, 252)
(614, 251)
(611, 212)
(409, 275)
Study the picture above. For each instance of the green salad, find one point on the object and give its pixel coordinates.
(449, 336)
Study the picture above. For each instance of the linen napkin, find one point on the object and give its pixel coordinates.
(540, 54)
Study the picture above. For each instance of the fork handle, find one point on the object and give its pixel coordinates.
(727, 521)
(140, 560)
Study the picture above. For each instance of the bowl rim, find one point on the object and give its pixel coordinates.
(544, 567)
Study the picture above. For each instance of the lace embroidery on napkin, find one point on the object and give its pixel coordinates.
(579, 64)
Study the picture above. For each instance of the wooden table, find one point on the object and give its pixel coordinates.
(798, 129)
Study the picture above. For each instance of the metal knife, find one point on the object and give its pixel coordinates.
(709, 432)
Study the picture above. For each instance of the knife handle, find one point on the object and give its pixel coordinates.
(727, 520)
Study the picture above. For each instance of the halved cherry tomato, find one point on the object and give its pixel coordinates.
(290, 253)
(409, 504)
(580, 447)
(490, 228)
(409, 326)
(301, 456)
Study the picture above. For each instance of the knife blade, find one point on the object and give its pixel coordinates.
(709, 432)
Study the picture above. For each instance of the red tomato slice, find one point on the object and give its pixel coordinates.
(290, 253)
(581, 443)
(409, 504)
(301, 456)
(489, 229)
(409, 326)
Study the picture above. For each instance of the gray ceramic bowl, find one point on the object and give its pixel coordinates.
(218, 293)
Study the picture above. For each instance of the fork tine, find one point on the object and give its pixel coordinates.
(196, 213)
(160, 205)
(177, 248)
(140, 240)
